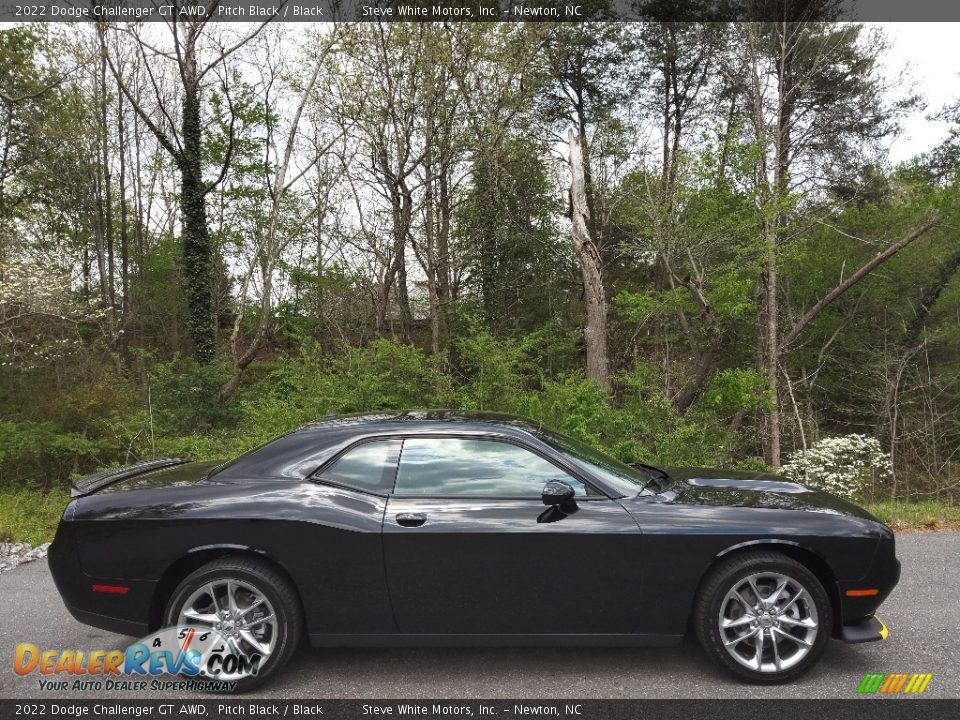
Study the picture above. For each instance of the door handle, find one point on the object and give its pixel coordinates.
(411, 519)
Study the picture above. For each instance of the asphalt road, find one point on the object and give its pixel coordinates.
(923, 615)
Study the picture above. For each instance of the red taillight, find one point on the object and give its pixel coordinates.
(866, 592)
(115, 589)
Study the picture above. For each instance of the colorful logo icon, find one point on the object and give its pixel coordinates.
(894, 683)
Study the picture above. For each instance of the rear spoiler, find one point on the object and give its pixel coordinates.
(92, 483)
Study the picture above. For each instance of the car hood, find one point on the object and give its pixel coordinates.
(733, 488)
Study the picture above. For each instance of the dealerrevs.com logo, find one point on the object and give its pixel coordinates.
(894, 683)
(201, 657)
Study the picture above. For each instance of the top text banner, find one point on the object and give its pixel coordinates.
(476, 10)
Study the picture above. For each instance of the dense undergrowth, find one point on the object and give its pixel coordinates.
(104, 417)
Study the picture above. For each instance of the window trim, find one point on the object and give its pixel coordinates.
(599, 494)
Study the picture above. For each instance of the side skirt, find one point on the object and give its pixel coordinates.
(492, 640)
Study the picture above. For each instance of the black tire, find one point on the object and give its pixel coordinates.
(271, 583)
(728, 575)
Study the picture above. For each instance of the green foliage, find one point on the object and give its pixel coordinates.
(174, 413)
(574, 406)
(30, 514)
(689, 233)
(516, 259)
(382, 376)
(642, 307)
(493, 368)
(181, 397)
(736, 389)
(641, 428)
(43, 451)
(55, 422)
(731, 294)
(157, 294)
(494, 373)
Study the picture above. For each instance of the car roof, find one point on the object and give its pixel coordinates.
(437, 418)
(298, 453)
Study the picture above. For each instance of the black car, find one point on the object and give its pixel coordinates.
(445, 528)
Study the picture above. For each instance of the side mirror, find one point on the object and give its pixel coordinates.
(557, 492)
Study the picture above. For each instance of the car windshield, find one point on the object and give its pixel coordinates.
(624, 478)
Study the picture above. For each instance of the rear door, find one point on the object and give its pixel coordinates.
(470, 548)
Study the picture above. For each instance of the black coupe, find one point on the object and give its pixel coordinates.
(445, 528)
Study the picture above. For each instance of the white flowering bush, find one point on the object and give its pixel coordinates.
(843, 465)
(40, 313)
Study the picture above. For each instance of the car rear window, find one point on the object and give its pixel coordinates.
(369, 466)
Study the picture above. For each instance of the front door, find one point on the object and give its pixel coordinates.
(470, 548)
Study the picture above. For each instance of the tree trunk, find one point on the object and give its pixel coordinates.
(783, 148)
(595, 332)
(430, 261)
(124, 230)
(197, 252)
(770, 330)
(383, 298)
(107, 187)
(99, 237)
(269, 253)
(86, 274)
(403, 297)
(402, 217)
(443, 243)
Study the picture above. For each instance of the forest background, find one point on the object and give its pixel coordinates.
(684, 243)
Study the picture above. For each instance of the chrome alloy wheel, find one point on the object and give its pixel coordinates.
(768, 622)
(238, 611)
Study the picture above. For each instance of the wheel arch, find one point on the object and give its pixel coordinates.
(196, 558)
(804, 555)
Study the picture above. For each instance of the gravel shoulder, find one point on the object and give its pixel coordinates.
(923, 615)
(13, 554)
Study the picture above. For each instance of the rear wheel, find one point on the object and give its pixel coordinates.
(251, 604)
(764, 617)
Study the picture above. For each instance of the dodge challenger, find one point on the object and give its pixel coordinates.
(446, 528)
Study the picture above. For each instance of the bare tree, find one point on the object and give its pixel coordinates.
(280, 180)
(188, 48)
(380, 97)
(814, 99)
(595, 330)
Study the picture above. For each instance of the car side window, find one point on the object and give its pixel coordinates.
(476, 468)
(368, 466)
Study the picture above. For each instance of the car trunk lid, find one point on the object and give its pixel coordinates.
(92, 483)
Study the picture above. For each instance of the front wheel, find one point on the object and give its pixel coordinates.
(253, 607)
(764, 617)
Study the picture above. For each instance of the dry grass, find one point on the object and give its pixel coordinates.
(921, 515)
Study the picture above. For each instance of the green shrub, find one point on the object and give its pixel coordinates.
(180, 397)
(45, 452)
(103, 419)
(30, 514)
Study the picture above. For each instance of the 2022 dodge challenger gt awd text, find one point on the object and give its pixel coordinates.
(444, 528)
